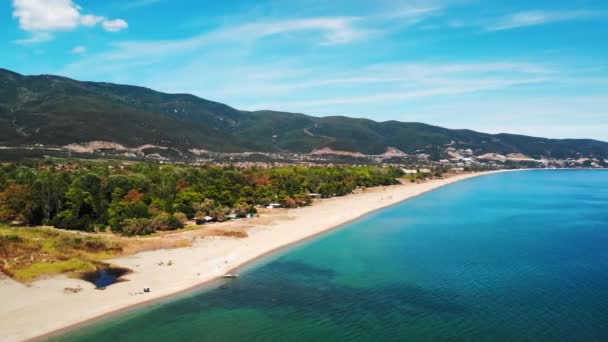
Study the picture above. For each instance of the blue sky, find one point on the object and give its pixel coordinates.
(531, 67)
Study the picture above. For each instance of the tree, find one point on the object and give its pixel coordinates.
(126, 207)
(87, 194)
(185, 201)
(18, 203)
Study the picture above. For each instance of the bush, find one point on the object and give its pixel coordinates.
(242, 209)
(174, 223)
(67, 220)
(137, 226)
(160, 222)
(165, 221)
(220, 214)
(181, 218)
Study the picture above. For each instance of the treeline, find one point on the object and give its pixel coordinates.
(142, 198)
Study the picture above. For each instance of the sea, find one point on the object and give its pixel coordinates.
(515, 256)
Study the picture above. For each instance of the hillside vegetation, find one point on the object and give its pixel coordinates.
(57, 111)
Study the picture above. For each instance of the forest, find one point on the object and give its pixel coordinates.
(141, 198)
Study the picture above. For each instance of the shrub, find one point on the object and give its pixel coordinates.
(137, 226)
(174, 223)
(165, 221)
(220, 214)
(68, 220)
(181, 217)
(242, 209)
(290, 203)
(160, 221)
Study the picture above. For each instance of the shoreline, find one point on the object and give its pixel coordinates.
(212, 256)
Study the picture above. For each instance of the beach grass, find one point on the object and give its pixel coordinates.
(28, 253)
(37, 270)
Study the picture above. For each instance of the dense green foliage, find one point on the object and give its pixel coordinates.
(54, 110)
(142, 198)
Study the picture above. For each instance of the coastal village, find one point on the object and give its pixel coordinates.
(447, 159)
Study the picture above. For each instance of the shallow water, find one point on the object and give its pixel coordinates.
(105, 277)
(512, 256)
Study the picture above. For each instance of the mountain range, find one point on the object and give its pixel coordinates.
(58, 111)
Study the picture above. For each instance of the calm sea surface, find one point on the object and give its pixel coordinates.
(513, 256)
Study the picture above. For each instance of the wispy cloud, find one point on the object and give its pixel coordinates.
(455, 88)
(320, 31)
(141, 3)
(533, 18)
(333, 30)
(410, 81)
(35, 38)
(549, 115)
(329, 30)
(412, 14)
(79, 50)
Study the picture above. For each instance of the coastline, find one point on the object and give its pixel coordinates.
(42, 309)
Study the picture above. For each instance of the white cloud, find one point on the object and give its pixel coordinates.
(79, 49)
(91, 20)
(533, 18)
(40, 17)
(114, 25)
(46, 15)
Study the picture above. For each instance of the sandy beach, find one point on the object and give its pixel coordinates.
(43, 307)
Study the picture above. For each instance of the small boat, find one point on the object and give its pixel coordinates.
(230, 275)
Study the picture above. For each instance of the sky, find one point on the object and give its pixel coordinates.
(529, 67)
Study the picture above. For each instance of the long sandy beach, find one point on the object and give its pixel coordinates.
(43, 307)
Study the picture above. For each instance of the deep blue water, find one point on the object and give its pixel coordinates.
(512, 256)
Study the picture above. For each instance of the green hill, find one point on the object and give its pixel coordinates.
(57, 111)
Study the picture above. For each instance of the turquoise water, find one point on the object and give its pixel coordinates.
(513, 256)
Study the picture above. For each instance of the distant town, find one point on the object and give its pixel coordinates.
(446, 159)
